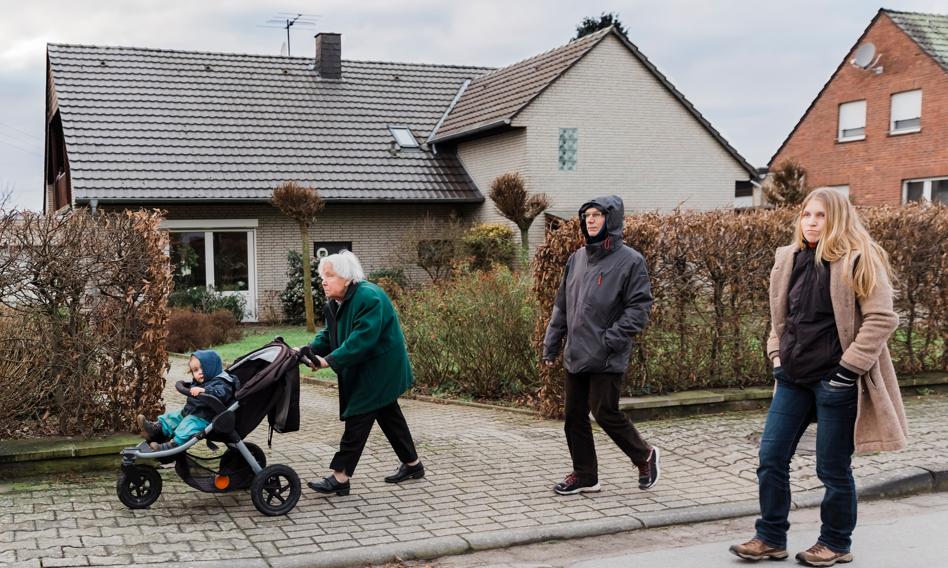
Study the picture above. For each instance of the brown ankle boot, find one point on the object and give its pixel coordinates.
(820, 555)
(756, 549)
(151, 431)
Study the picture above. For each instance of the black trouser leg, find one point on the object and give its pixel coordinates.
(353, 442)
(395, 428)
(579, 438)
(604, 403)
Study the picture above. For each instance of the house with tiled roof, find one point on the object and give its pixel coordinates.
(207, 136)
(878, 129)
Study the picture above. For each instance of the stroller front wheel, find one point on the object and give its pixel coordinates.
(138, 486)
(275, 490)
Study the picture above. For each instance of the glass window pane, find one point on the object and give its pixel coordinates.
(914, 190)
(404, 137)
(567, 152)
(907, 124)
(230, 261)
(187, 259)
(940, 191)
(852, 119)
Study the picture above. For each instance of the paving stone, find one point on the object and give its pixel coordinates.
(709, 464)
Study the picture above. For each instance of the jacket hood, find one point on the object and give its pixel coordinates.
(211, 363)
(614, 210)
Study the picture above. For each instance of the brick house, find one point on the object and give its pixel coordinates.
(207, 137)
(879, 127)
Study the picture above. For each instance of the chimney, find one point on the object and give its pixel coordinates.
(329, 56)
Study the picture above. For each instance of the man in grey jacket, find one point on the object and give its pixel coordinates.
(603, 300)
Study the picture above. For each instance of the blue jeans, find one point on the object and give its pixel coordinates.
(181, 428)
(792, 409)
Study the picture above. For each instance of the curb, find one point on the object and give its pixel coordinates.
(904, 481)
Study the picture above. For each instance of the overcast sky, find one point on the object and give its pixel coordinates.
(750, 66)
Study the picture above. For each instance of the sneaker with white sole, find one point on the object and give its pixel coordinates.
(650, 471)
(572, 485)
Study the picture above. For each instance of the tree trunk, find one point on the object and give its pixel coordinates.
(307, 279)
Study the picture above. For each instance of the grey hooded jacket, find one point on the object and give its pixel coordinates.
(604, 299)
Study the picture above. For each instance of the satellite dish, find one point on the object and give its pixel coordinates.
(283, 50)
(863, 56)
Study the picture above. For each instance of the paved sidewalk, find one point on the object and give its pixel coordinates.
(488, 484)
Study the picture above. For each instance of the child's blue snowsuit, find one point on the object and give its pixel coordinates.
(182, 424)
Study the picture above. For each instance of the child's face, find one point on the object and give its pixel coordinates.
(196, 371)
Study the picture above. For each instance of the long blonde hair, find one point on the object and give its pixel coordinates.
(845, 237)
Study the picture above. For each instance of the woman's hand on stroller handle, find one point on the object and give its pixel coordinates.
(311, 359)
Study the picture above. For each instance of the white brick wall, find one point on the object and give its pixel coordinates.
(374, 229)
(635, 140)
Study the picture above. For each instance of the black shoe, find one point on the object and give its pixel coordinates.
(328, 485)
(572, 485)
(151, 431)
(406, 471)
(650, 471)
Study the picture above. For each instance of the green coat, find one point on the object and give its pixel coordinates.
(364, 344)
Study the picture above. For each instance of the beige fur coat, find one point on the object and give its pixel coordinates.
(864, 328)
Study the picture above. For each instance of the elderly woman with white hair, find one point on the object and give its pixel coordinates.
(364, 345)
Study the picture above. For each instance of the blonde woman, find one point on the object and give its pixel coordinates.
(831, 308)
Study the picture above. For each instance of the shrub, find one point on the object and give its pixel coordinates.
(471, 335)
(394, 275)
(189, 330)
(709, 273)
(207, 300)
(294, 309)
(489, 244)
(85, 304)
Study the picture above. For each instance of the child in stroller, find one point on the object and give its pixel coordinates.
(269, 386)
(174, 428)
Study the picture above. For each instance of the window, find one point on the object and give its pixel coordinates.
(743, 194)
(403, 137)
(934, 189)
(906, 112)
(567, 154)
(227, 256)
(852, 121)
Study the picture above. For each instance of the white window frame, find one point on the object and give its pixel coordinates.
(211, 226)
(854, 105)
(902, 101)
(926, 187)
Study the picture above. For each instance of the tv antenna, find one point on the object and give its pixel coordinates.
(286, 20)
(863, 58)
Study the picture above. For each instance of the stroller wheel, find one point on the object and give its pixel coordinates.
(139, 487)
(275, 490)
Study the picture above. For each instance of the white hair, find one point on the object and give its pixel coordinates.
(344, 264)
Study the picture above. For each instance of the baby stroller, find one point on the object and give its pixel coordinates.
(269, 386)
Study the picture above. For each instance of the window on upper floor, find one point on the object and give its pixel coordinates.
(567, 154)
(852, 121)
(906, 112)
(931, 189)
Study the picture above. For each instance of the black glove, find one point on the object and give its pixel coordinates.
(842, 377)
(308, 356)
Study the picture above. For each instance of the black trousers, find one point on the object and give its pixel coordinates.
(599, 393)
(356, 434)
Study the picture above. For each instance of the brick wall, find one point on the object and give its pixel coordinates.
(875, 168)
(375, 231)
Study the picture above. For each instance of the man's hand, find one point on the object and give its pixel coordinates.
(548, 363)
(196, 390)
(776, 362)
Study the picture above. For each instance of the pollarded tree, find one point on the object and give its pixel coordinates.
(511, 199)
(301, 204)
(786, 186)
